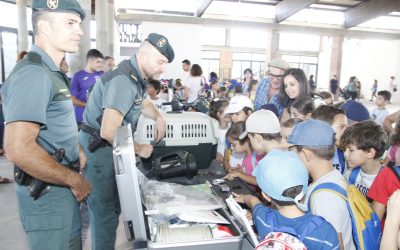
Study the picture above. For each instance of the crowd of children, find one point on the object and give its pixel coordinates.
(305, 163)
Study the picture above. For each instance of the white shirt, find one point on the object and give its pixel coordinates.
(236, 159)
(157, 103)
(363, 180)
(379, 115)
(332, 207)
(221, 140)
(194, 85)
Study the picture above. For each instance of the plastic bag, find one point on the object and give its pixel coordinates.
(170, 198)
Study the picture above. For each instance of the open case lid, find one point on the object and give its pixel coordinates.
(127, 181)
(240, 215)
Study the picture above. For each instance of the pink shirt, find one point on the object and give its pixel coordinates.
(247, 164)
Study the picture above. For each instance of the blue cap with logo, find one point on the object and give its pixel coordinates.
(59, 6)
(312, 133)
(162, 44)
(280, 170)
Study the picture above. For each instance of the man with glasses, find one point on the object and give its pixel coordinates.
(267, 91)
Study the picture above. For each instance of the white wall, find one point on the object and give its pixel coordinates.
(371, 59)
(184, 39)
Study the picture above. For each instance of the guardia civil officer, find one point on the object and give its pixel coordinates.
(117, 99)
(41, 132)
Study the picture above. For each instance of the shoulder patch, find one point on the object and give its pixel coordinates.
(33, 57)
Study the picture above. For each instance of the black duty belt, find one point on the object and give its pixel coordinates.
(88, 130)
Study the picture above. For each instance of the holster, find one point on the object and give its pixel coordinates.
(36, 187)
(95, 140)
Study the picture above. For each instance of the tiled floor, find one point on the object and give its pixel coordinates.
(12, 237)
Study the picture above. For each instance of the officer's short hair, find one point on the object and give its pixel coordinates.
(94, 53)
(38, 15)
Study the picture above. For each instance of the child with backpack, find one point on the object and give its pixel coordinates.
(329, 195)
(283, 180)
(365, 143)
(335, 117)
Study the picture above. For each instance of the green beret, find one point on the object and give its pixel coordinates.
(161, 43)
(59, 6)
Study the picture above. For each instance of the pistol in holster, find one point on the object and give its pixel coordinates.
(95, 141)
(36, 187)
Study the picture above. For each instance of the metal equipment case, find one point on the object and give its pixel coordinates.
(193, 132)
(133, 210)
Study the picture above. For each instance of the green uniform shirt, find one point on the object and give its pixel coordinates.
(30, 95)
(119, 91)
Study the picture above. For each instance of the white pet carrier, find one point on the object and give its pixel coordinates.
(194, 132)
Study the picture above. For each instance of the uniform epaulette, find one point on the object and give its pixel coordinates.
(33, 57)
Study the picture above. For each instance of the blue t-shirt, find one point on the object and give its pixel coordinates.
(81, 83)
(323, 237)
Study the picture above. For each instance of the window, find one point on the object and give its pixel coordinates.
(242, 61)
(308, 64)
(9, 52)
(210, 62)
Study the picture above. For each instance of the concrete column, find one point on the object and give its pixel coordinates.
(23, 43)
(101, 17)
(78, 60)
(336, 57)
(272, 47)
(111, 28)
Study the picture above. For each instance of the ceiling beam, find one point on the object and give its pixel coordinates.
(330, 31)
(369, 10)
(287, 8)
(203, 5)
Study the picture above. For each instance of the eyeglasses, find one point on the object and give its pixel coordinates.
(272, 76)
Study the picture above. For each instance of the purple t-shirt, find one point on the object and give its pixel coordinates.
(81, 82)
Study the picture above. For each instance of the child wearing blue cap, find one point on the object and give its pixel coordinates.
(283, 180)
(314, 143)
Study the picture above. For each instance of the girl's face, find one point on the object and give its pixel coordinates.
(237, 147)
(247, 75)
(240, 116)
(224, 117)
(215, 87)
(292, 87)
(294, 113)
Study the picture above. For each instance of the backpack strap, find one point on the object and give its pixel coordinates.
(354, 174)
(329, 187)
(342, 161)
(396, 171)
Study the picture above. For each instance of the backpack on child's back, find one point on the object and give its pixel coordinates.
(286, 237)
(366, 226)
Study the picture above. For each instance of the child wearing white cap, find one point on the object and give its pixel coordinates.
(283, 179)
(239, 109)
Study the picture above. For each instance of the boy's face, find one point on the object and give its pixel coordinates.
(256, 143)
(240, 116)
(380, 101)
(339, 125)
(355, 157)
